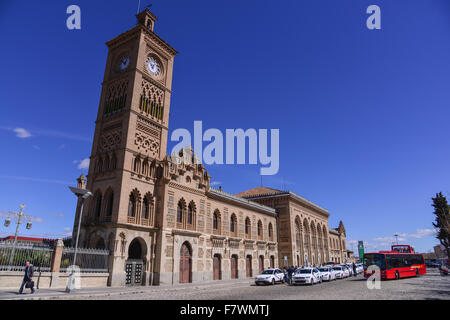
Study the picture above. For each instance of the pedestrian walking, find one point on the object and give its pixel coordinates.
(27, 279)
(354, 269)
(290, 273)
(286, 276)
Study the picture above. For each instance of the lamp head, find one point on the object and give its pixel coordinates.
(84, 193)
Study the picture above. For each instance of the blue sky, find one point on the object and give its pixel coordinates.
(363, 115)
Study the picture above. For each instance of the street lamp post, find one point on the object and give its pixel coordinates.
(82, 195)
(19, 215)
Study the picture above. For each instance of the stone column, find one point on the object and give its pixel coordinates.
(56, 263)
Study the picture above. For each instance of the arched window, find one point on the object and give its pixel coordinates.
(109, 207)
(99, 165)
(106, 164)
(137, 165)
(233, 224)
(190, 214)
(180, 212)
(260, 231)
(297, 235)
(247, 227)
(113, 162)
(98, 205)
(145, 168)
(270, 232)
(145, 209)
(216, 222)
(132, 206)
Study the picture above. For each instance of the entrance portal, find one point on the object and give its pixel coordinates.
(185, 263)
(261, 264)
(134, 266)
(234, 267)
(248, 266)
(217, 272)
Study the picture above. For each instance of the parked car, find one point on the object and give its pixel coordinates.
(339, 272)
(359, 268)
(349, 268)
(270, 276)
(327, 274)
(307, 275)
(345, 271)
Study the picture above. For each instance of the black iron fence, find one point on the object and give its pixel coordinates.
(88, 260)
(40, 256)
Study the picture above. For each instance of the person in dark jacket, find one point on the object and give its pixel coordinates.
(27, 277)
(290, 273)
(354, 269)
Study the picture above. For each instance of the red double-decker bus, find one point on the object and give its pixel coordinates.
(398, 263)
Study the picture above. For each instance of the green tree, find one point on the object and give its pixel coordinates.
(442, 220)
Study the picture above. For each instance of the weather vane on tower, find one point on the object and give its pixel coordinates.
(146, 7)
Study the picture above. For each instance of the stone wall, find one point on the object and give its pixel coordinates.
(13, 280)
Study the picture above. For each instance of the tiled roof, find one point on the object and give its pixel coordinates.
(241, 200)
(261, 192)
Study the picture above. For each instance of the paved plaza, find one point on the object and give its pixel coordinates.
(431, 286)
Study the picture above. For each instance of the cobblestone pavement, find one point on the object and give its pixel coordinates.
(430, 286)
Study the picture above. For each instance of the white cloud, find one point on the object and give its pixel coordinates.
(59, 215)
(84, 164)
(35, 179)
(66, 230)
(384, 243)
(37, 219)
(22, 133)
(419, 234)
(215, 183)
(352, 243)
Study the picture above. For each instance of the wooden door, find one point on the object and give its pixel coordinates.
(216, 267)
(234, 267)
(261, 264)
(248, 266)
(185, 264)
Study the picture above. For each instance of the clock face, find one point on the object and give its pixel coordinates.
(124, 63)
(153, 66)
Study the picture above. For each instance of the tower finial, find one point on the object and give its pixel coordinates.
(81, 182)
(146, 18)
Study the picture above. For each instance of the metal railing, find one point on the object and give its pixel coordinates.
(40, 256)
(88, 260)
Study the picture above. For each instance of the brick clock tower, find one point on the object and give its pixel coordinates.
(129, 147)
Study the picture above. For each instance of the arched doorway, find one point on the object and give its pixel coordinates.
(100, 244)
(234, 266)
(217, 272)
(185, 263)
(261, 264)
(248, 266)
(135, 264)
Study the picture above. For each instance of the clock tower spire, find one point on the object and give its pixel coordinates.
(130, 141)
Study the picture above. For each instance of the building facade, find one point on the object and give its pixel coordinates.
(158, 216)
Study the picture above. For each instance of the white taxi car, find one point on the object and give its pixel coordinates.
(307, 275)
(346, 271)
(359, 268)
(270, 276)
(327, 273)
(338, 272)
